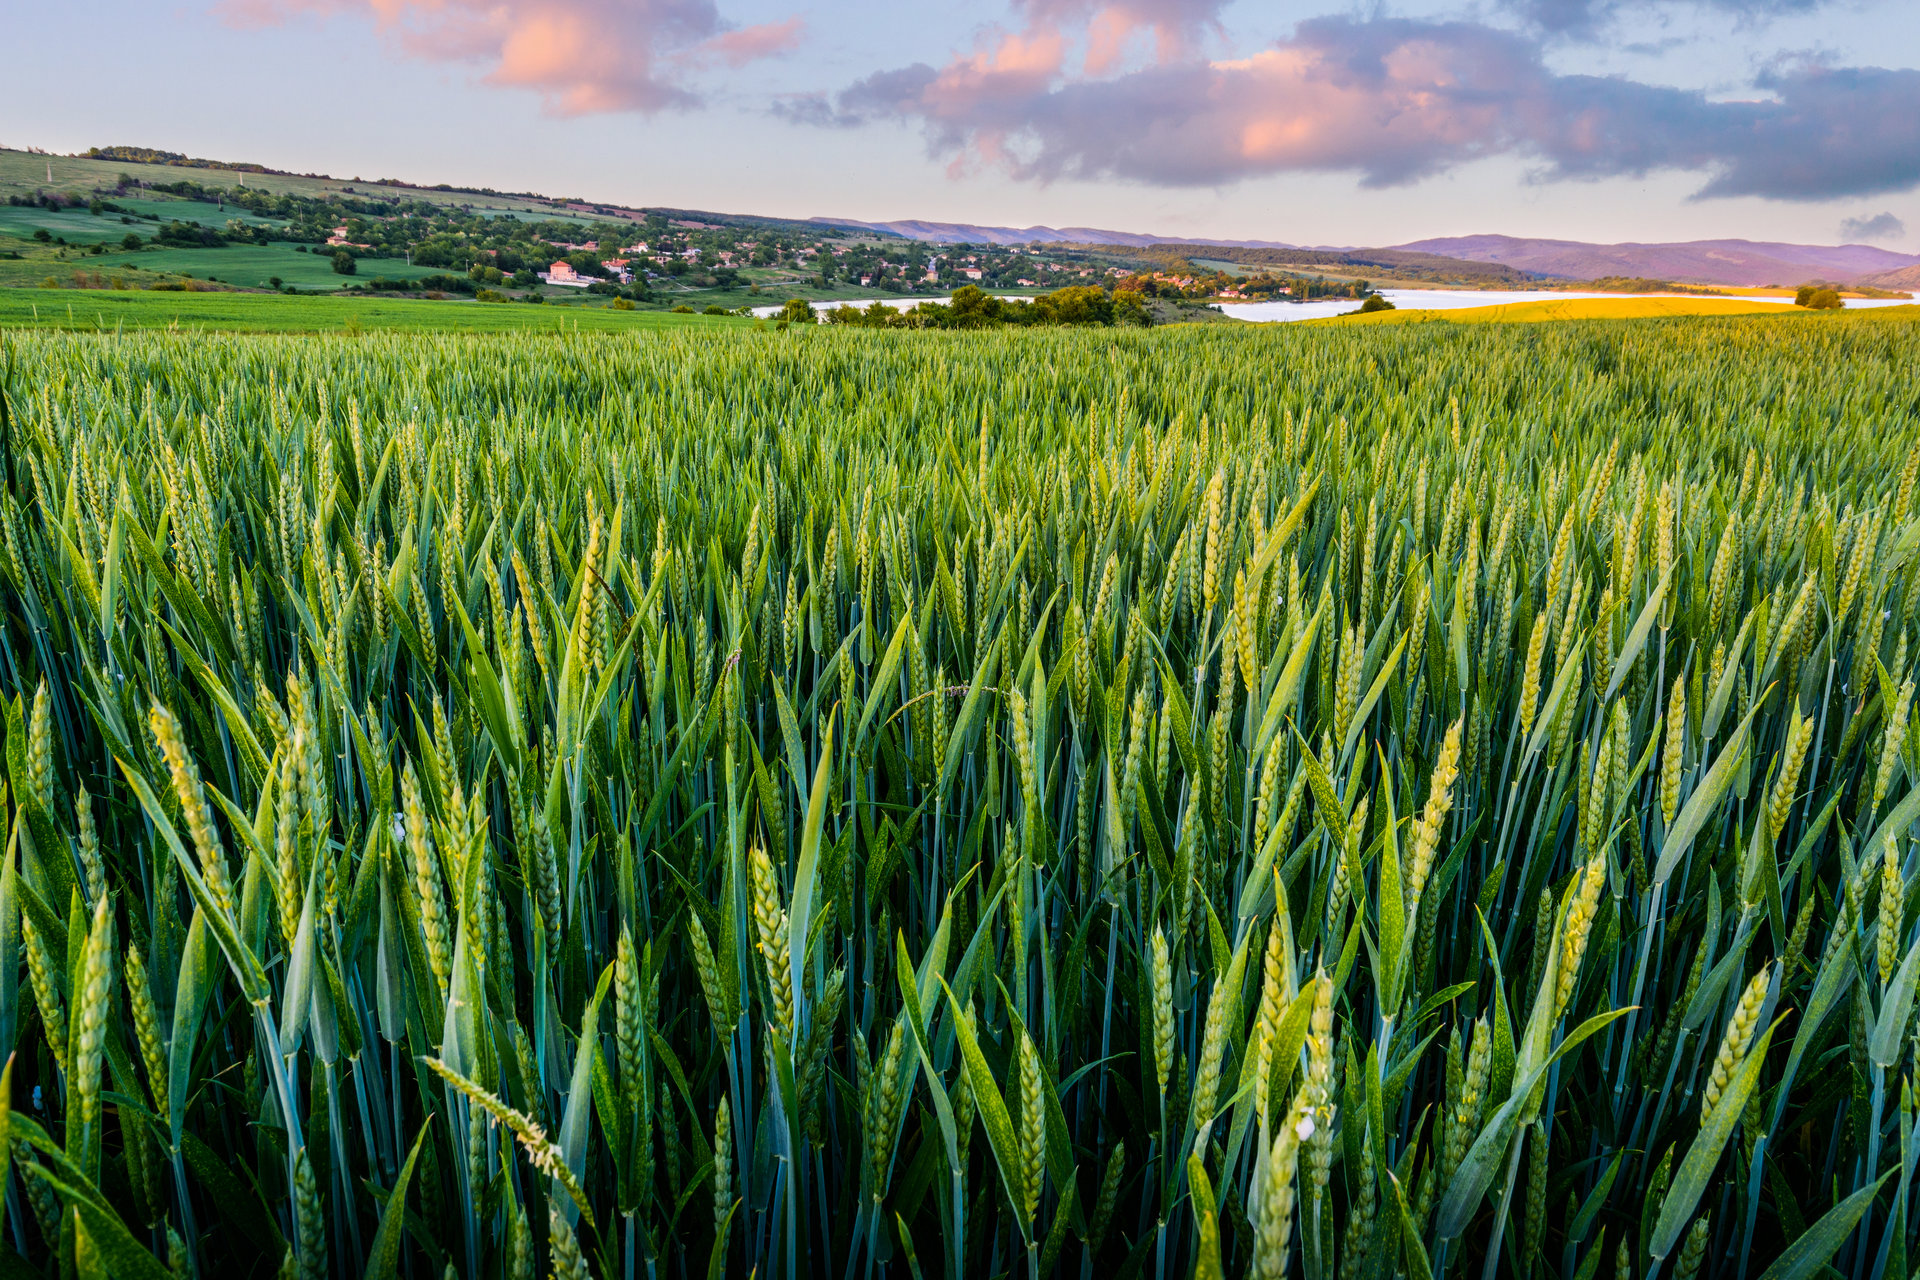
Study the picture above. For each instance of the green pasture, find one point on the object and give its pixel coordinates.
(110, 310)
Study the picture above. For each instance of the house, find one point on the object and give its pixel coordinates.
(562, 273)
(971, 273)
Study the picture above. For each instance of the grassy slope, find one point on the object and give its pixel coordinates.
(21, 172)
(252, 266)
(249, 266)
(1580, 309)
(94, 309)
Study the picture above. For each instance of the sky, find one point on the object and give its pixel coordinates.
(1305, 122)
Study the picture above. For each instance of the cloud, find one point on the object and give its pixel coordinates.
(1880, 226)
(750, 44)
(580, 56)
(1393, 100)
(1111, 26)
(1585, 19)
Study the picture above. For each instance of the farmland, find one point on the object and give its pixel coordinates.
(1433, 800)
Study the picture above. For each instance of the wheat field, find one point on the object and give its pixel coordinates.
(1428, 801)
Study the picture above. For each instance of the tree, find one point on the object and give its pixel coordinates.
(1130, 308)
(796, 311)
(1825, 300)
(1375, 302)
(973, 307)
(343, 263)
(1076, 304)
(1804, 294)
(130, 241)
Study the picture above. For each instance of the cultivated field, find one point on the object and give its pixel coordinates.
(1432, 801)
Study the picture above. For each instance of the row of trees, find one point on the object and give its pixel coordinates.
(1301, 288)
(972, 307)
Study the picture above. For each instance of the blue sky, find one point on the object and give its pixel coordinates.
(1305, 122)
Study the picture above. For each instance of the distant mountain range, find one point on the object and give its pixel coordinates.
(975, 233)
(1734, 262)
(1727, 262)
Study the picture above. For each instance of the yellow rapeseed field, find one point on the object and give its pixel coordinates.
(1591, 309)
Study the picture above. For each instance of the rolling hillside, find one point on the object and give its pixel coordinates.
(1735, 262)
(1898, 278)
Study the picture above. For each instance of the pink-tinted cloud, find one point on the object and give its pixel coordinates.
(1393, 100)
(750, 44)
(580, 56)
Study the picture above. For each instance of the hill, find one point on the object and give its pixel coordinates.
(1393, 264)
(1732, 262)
(1906, 278)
